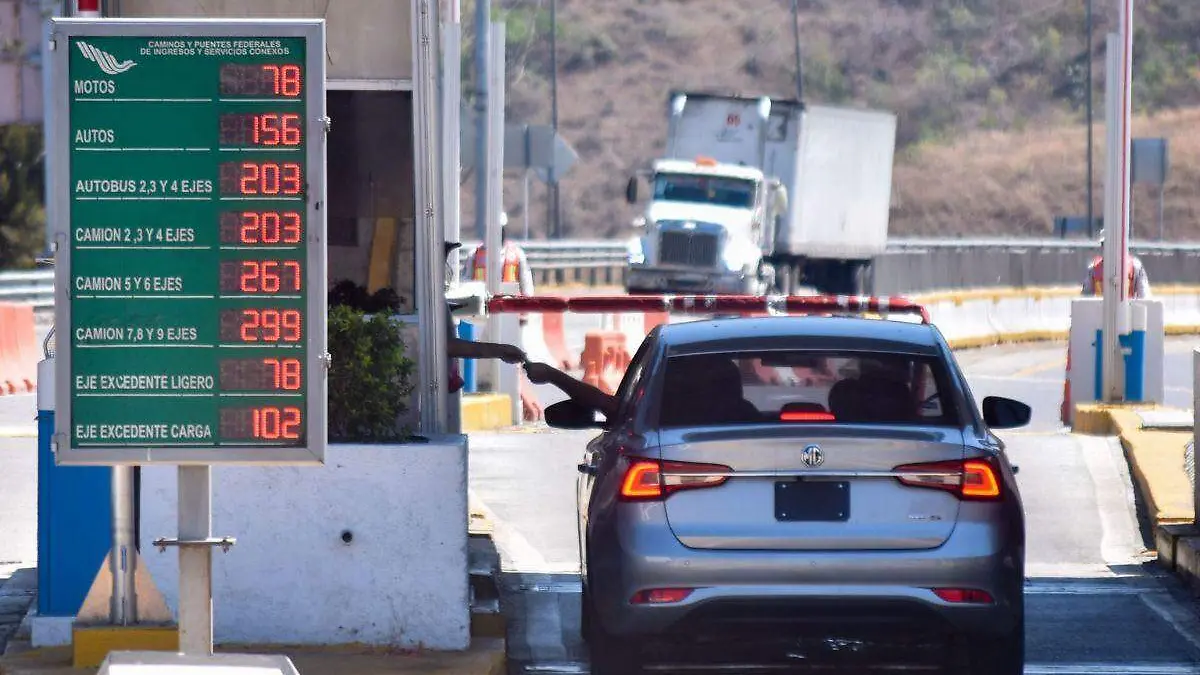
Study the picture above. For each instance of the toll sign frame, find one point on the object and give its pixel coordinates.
(161, 397)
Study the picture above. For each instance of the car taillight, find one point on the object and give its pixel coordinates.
(660, 596)
(965, 596)
(971, 479)
(651, 479)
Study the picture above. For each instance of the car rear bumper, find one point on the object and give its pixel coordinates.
(804, 591)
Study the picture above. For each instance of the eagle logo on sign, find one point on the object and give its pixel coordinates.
(107, 62)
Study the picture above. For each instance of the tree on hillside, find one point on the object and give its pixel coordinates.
(22, 193)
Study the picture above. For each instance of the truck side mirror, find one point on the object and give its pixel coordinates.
(779, 198)
(631, 190)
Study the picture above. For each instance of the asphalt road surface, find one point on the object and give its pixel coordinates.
(1095, 605)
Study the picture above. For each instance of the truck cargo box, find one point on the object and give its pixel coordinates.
(835, 162)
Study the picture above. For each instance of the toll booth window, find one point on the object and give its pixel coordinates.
(803, 387)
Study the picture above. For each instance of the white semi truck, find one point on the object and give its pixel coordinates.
(757, 195)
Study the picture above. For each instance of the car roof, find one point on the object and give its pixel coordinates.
(799, 332)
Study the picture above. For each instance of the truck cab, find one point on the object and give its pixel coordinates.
(705, 228)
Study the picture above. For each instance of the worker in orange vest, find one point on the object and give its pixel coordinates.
(514, 269)
(1137, 280)
(1138, 287)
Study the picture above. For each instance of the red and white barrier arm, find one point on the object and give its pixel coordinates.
(707, 304)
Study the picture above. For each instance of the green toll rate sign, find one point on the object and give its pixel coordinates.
(187, 206)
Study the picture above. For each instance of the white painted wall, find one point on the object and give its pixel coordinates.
(402, 581)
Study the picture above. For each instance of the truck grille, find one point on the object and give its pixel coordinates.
(688, 248)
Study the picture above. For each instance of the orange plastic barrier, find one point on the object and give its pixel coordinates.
(604, 359)
(18, 349)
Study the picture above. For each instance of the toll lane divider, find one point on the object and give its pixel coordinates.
(967, 318)
(1158, 463)
(19, 354)
(983, 317)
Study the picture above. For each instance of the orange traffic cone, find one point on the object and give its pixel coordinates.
(591, 373)
(1064, 411)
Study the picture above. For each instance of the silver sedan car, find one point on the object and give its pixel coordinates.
(788, 491)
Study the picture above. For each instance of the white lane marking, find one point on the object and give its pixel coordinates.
(1120, 542)
(1112, 669)
(1181, 619)
(1072, 571)
(575, 587)
(516, 553)
(557, 668)
(1068, 588)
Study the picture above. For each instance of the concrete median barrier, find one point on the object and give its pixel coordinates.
(968, 318)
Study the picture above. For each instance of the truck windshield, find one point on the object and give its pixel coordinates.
(682, 187)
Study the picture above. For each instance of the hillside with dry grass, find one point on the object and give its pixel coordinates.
(989, 93)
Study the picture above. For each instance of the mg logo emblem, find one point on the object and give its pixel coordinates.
(813, 456)
(733, 120)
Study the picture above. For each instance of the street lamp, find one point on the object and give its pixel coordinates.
(1090, 217)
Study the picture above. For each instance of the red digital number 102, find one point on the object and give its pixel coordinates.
(271, 423)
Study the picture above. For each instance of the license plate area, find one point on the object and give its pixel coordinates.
(812, 501)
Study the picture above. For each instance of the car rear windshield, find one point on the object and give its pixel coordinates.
(804, 387)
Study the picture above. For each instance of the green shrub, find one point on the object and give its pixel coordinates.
(370, 378)
(22, 214)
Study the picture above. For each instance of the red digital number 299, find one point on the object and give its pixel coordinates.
(270, 325)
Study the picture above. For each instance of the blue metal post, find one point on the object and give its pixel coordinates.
(1134, 346)
(74, 516)
(466, 331)
(1133, 350)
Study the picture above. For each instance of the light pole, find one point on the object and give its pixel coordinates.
(1090, 207)
(796, 40)
(553, 226)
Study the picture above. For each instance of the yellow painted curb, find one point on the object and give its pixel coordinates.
(1092, 419)
(488, 626)
(1006, 338)
(92, 643)
(486, 412)
(995, 294)
(1155, 457)
(19, 432)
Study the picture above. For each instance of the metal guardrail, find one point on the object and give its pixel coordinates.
(35, 287)
(908, 262)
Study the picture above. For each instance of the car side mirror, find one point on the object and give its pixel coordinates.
(1005, 413)
(571, 414)
(631, 190)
